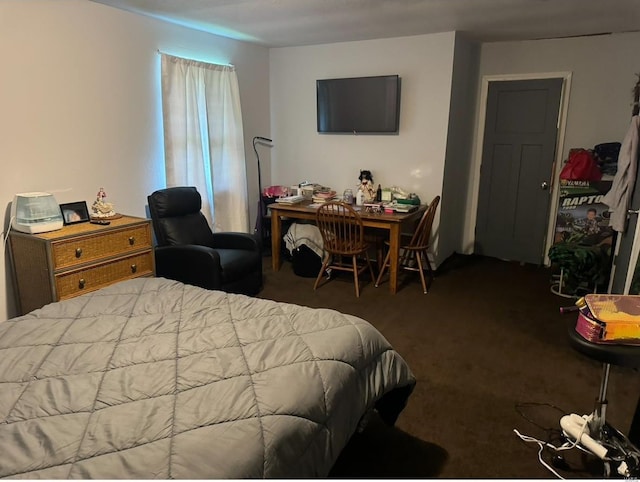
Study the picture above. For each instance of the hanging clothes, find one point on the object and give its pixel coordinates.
(619, 196)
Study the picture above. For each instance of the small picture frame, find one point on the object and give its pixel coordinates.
(73, 213)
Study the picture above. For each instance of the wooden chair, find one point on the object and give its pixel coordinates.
(342, 233)
(411, 254)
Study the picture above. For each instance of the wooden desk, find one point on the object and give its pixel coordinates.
(390, 222)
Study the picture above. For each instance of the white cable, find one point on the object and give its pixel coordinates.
(6, 235)
(542, 445)
(566, 446)
(546, 465)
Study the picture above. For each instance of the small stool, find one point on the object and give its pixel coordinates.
(608, 354)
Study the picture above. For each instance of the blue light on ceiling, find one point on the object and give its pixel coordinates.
(210, 28)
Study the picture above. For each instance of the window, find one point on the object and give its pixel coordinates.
(203, 138)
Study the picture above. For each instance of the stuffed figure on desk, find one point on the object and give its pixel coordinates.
(366, 186)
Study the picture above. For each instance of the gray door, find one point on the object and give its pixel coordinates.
(521, 130)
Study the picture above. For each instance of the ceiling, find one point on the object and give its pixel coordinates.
(286, 23)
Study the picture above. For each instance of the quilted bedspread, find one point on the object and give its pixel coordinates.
(151, 378)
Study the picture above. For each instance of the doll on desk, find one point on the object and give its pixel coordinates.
(366, 188)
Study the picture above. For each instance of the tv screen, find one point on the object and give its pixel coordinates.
(360, 105)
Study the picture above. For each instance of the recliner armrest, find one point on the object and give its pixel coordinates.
(232, 240)
(191, 264)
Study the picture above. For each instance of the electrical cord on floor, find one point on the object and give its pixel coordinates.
(519, 406)
(620, 454)
(554, 435)
(542, 445)
(551, 432)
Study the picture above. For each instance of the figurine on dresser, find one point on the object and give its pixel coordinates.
(101, 208)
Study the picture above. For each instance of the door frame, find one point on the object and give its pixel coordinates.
(557, 162)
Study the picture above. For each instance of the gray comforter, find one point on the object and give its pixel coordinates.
(150, 378)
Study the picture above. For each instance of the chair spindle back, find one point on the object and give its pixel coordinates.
(421, 235)
(341, 228)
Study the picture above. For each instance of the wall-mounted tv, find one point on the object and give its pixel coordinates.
(359, 105)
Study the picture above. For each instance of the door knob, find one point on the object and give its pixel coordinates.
(544, 186)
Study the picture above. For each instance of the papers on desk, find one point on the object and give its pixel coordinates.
(376, 208)
(317, 205)
(323, 196)
(399, 207)
(290, 199)
(405, 208)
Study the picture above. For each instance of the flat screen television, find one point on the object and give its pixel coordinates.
(359, 105)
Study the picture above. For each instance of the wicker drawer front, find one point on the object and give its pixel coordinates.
(83, 250)
(90, 279)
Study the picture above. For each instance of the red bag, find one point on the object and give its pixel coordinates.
(581, 166)
(275, 191)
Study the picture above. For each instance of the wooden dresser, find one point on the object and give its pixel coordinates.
(79, 258)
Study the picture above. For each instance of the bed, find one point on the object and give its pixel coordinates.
(150, 378)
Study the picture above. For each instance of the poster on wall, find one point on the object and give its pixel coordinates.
(582, 217)
(583, 238)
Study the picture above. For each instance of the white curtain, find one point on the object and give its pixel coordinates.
(203, 138)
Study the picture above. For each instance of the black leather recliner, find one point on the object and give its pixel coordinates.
(188, 251)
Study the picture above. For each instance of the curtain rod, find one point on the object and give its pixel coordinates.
(160, 52)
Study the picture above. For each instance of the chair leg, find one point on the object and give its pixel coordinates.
(384, 266)
(432, 273)
(322, 270)
(354, 260)
(404, 257)
(379, 254)
(421, 271)
(370, 265)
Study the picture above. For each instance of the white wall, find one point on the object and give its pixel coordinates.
(412, 160)
(80, 97)
(80, 101)
(603, 74)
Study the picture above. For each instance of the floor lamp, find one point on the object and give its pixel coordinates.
(259, 228)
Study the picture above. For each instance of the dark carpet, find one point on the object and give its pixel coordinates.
(489, 350)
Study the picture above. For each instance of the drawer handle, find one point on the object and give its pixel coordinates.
(78, 252)
(81, 283)
(132, 240)
(134, 268)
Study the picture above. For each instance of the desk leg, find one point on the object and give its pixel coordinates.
(394, 249)
(276, 239)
